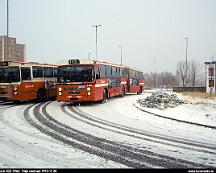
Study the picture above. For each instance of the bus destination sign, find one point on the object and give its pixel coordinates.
(4, 63)
(74, 61)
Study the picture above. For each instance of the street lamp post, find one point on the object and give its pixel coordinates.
(96, 26)
(121, 52)
(7, 18)
(155, 75)
(186, 39)
(89, 54)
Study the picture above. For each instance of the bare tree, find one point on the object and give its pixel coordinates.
(181, 72)
(164, 80)
(194, 75)
(194, 72)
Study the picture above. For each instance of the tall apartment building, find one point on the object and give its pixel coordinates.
(10, 50)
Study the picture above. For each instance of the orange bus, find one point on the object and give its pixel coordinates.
(135, 80)
(90, 80)
(21, 81)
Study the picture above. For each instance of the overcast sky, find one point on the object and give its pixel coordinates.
(148, 30)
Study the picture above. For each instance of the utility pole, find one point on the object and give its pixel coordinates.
(155, 76)
(121, 52)
(7, 18)
(96, 28)
(186, 61)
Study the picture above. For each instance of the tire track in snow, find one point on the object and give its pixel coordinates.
(22, 147)
(6, 102)
(73, 138)
(9, 104)
(102, 147)
(30, 134)
(134, 132)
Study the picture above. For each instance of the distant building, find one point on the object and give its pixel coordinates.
(210, 76)
(20, 52)
(10, 50)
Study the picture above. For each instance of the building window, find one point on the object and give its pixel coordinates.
(211, 71)
(211, 83)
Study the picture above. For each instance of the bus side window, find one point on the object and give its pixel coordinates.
(136, 74)
(132, 74)
(119, 72)
(108, 71)
(25, 73)
(114, 71)
(37, 71)
(97, 75)
(102, 71)
(55, 70)
(122, 72)
(48, 71)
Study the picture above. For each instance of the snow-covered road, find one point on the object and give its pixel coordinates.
(111, 135)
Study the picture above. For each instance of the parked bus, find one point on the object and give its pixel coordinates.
(89, 80)
(21, 81)
(135, 80)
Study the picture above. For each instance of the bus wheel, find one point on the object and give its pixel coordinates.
(16, 101)
(140, 91)
(41, 95)
(123, 92)
(105, 97)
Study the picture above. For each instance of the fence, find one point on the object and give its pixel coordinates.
(189, 89)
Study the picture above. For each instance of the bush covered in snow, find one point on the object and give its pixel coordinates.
(160, 100)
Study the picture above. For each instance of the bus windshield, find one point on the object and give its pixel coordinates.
(9, 74)
(75, 74)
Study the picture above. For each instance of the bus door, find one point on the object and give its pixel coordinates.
(27, 86)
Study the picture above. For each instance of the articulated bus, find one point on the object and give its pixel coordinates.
(22, 81)
(82, 80)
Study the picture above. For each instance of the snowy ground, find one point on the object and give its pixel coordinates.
(197, 110)
(116, 134)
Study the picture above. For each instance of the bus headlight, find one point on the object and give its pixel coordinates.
(60, 89)
(15, 93)
(88, 89)
(89, 93)
(60, 93)
(15, 89)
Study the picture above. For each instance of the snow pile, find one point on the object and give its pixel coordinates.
(160, 100)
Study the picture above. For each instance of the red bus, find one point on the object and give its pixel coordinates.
(89, 80)
(21, 81)
(135, 80)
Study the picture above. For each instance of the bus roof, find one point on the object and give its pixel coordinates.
(85, 62)
(135, 69)
(8, 63)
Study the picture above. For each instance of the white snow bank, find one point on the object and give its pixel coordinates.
(201, 111)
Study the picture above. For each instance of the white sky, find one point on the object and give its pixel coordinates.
(148, 30)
